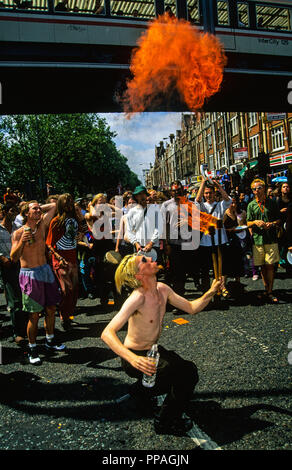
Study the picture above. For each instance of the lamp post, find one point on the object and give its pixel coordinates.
(143, 175)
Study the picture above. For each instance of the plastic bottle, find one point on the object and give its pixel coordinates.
(153, 355)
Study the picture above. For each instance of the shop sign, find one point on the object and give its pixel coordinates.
(240, 153)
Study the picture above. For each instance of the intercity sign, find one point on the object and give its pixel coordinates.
(276, 116)
(284, 159)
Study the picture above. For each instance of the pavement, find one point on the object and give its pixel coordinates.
(72, 401)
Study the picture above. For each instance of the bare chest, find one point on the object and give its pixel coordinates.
(34, 252)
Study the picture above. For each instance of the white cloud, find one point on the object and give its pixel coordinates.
(137, 137)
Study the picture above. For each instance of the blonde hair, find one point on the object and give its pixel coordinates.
(126, 273)
(25, 208)
(257, 180)
(96, 197)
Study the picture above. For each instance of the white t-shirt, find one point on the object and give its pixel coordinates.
(218, 212)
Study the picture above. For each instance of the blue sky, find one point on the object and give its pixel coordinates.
(136, 137)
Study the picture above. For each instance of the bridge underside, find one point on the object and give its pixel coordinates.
(27, 90)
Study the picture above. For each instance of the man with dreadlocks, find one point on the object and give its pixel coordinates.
(62, 242)
(144, 311)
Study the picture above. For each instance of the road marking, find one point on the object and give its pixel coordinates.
(251, 339)
(200, 438)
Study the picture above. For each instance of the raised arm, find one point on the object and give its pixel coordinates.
(49, 211)
(221, 190)
(201, 191)
(193, 306)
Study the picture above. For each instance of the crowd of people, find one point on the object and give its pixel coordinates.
(65, 249)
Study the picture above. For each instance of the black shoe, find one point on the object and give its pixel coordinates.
(33, 357)
(178, 426)
(66, 325)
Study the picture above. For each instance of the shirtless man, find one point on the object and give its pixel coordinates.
(144, 311)
(37, 282)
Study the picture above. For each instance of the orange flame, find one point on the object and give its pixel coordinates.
(206, 220)
(174, 55)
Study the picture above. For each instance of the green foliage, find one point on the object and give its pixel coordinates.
(73, 152)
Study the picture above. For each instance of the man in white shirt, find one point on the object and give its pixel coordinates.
(217, 209)
(181, 243)
(144, 223)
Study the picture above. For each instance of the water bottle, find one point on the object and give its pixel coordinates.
(153, 355)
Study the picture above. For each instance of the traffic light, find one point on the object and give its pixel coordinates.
(263, 164)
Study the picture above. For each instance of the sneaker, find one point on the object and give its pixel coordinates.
(255, 277)
(33, 357)
(53, 345)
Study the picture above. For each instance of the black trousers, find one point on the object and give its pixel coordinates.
(175, 376)
(182, 263)
(19, 319)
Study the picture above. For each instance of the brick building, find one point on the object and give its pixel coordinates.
(222, 141)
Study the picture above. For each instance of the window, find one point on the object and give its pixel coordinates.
(220, 135)
(170, 6)
(222, 13)
(254, 146)
(207, 120)
(252, 119)
(135, 8)
(209, 140)
(242, 15)
(193, 11)
(275, 18)
(277, 136)
(25, 4)
(234, 126)
(222, 160)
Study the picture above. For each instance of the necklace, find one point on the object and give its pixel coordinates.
(261, 206)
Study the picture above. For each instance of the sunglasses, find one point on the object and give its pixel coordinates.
(258, 187)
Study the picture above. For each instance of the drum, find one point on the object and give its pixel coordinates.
(112, 257)
(149, 254)
(111, 261)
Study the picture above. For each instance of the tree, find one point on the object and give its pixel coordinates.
(73, 152)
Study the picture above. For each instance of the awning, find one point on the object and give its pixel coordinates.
(280, 179)
(252, 164)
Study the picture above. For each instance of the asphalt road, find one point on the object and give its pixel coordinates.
(242, 400)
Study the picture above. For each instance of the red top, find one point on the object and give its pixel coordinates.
(56, 233)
